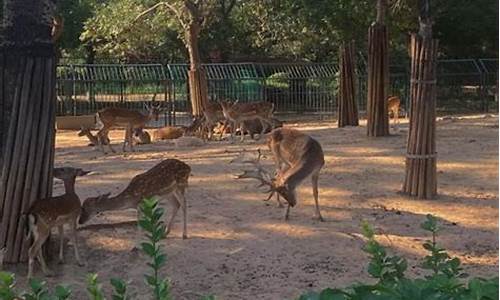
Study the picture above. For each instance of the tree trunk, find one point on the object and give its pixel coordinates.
(348, 109)
(198, 85)
(420, 178)
(378, 75)
(27, 102)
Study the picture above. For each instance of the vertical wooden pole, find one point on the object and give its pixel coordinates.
(348, 109)
(27, 61)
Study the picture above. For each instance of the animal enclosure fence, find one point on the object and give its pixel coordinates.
(464, 85)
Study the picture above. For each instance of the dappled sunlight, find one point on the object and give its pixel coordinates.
(110, 243)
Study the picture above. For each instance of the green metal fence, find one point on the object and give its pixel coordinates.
(464, 85)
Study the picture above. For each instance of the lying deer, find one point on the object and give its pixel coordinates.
(45, 214)
(237, 113)
(85, 131)
(168, 178)
(393, 104)
(130, 119)
(174, 132)
(297, 156)
(141, 136)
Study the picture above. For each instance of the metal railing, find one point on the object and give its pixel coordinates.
(464, 85)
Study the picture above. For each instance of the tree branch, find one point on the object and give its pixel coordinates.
(172, 8)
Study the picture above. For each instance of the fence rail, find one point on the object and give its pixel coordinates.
(464, 85)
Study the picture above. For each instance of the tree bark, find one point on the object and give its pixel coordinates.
(198, 85)
(378, 75)
(27, 100)
(348, 109)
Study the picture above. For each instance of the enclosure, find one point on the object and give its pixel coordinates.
(464, 86)
(240, 247)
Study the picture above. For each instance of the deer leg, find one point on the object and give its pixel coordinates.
(126, 139)
(176, 204)
(279, 201)
(315, 178)
(74, 240)
(242, 131)
(183, 203)
(61, 243)
(287, 212)
(99, 141)
(262, 123)
(39, 237)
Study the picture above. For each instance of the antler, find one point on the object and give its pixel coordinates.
(259, 173)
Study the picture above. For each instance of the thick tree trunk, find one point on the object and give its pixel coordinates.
(198, 85)
(378, 75)
(348, 109)
(27, 103)
(421, 179)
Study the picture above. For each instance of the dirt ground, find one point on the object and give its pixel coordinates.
(240, 247)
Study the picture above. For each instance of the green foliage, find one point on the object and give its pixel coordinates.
(151, 222)
(443, 284)
(94, 288)
(120, 289)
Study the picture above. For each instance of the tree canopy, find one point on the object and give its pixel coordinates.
(263, 30)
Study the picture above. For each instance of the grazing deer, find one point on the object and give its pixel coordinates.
(130, 119)
(141, 136)
(237, 113)
(254, 126)
(84, 131)
(45, 214)
(167, 178)
(393, 104)
(296, 155)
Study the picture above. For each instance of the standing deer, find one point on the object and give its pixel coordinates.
(297, 156)
(237, 113)
(130, 119)
(213, 114)
(167, 178)
(45, 214)
(393, 104)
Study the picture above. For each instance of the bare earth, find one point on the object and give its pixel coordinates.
(240, 247)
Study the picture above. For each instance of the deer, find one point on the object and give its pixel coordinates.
(237, 113)
(85, 131)
(167, 178)
(393, 104)
(175, 132)
(296, 156)
(254, 126)
(45, 214)
(212, 115)
(141, 136)
(130, 119)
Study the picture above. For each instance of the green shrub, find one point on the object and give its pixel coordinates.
(442, 284)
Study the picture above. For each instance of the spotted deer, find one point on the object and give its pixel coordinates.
(45, 214)
(393, 104)
(167, 178)
(237, 113)
(212, 115)
(130, 119)
(85, 131)
(297, 156)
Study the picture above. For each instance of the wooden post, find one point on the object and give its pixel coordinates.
(420, 178)
(378, 75)
(27, 97)
(348, 109)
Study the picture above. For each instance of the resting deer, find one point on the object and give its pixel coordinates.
(130, 119)
(141, 136)
(84, 131)
(393, 104)
(297, 156)
(237, 113)
(45, 214)
(167, 178)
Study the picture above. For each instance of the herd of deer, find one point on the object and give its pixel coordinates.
(296, 156)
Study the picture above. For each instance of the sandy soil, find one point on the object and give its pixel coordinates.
(240, 247)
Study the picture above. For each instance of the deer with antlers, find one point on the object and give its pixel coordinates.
(167, 178)
(130, 119)
(297, 156)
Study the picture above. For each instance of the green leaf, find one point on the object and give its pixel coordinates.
(160, 260)
(62, 292)
(332, 294)
(149, 249)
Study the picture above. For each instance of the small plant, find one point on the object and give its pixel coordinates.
(151, 222)
(94, 288)
(443, 284)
